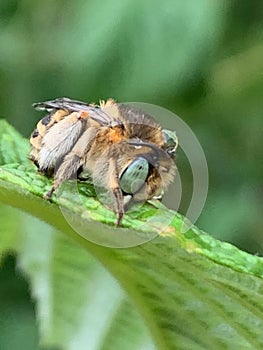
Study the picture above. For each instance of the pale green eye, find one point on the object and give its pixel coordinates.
(171, 141)
(134, 177)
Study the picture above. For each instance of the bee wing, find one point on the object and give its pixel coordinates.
(95, 112)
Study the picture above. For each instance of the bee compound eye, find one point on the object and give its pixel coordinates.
(134, 176)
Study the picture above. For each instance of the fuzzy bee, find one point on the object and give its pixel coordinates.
(122, 149)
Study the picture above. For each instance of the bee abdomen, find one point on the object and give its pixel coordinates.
(42, 127)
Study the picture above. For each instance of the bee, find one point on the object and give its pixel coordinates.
(123, 149)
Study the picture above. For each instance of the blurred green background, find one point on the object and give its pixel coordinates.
(201, 59)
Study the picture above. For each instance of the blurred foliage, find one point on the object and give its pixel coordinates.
(201, 59)
(17, 326)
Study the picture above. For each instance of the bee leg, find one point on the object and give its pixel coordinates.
(73, 161)
(115, 188)
(49, 194)
(66, 171)
(120, 209)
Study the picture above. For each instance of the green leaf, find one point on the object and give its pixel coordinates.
(190, 290)
(13, 148)
(69, 285)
